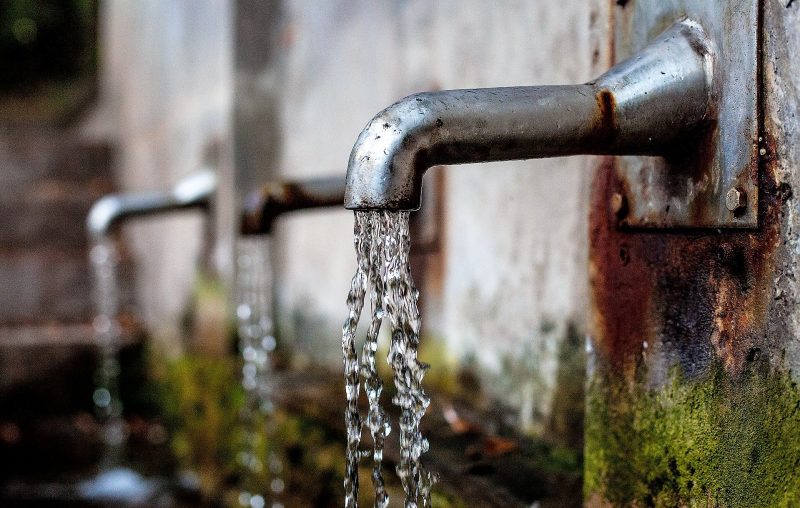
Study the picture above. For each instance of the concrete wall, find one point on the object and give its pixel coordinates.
(511, 272)
(505, 288)
(166, 95)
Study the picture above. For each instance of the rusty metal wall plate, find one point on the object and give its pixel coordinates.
(689, 188)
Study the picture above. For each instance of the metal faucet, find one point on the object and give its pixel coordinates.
(194, 191)
(273, 199)
(645, 105)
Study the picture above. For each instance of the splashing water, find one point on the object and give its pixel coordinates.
(261, 465)
(107, 336)
(382, 247)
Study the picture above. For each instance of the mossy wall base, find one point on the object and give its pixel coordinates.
(710, 441)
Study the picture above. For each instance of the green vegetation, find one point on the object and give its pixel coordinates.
(202, 400)
(45, 41)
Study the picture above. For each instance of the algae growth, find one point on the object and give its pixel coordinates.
(716, 440)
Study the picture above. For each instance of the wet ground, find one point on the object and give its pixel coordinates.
(479, 458)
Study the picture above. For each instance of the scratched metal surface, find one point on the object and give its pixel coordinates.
(688, 189)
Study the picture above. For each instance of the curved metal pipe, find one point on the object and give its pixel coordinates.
(643, 106)
(273, 199)
(193, 191)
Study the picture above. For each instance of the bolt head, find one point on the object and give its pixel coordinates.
(736, 200)
(618, 204)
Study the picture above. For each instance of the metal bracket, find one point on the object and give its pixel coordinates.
(711, 181)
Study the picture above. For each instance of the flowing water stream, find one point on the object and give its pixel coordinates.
(383, 274)
(262, 482)
(107, 335)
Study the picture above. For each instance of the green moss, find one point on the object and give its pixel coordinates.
(712, 441)
(565, 425)
(442, 500)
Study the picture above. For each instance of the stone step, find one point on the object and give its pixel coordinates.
(31, 157)
(54, 222)
(45, 285)
(54, 362)
(50, 285)
(48, 183)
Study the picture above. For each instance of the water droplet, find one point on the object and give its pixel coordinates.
(277, 485)
(268, 343)
(102, 397)
(250, 371)
(275, 465)
(244, 498)
(100, 254)
(243, 311)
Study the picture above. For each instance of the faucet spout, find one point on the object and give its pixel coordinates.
(643, 106)
(274, 199)
(194, 191)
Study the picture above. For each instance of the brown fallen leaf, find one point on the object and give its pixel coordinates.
(491, 447)
(495, 446)
(460, 425)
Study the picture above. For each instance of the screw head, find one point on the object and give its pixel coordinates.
(736, 200)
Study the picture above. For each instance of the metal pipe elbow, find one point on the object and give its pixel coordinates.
(261, 208)
(392, 153)
(104, 214)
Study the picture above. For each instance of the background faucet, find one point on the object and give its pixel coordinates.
(193, 191)
(275, 198)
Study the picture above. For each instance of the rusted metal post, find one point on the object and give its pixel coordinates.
(692, 397)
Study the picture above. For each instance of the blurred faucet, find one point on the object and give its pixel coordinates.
(193, 191)
(275, 198)
(646, 105)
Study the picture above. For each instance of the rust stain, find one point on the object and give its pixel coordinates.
(606, 121)
(620, 282)
(699, 294)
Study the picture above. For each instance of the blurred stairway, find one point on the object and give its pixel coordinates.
(49, 178)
